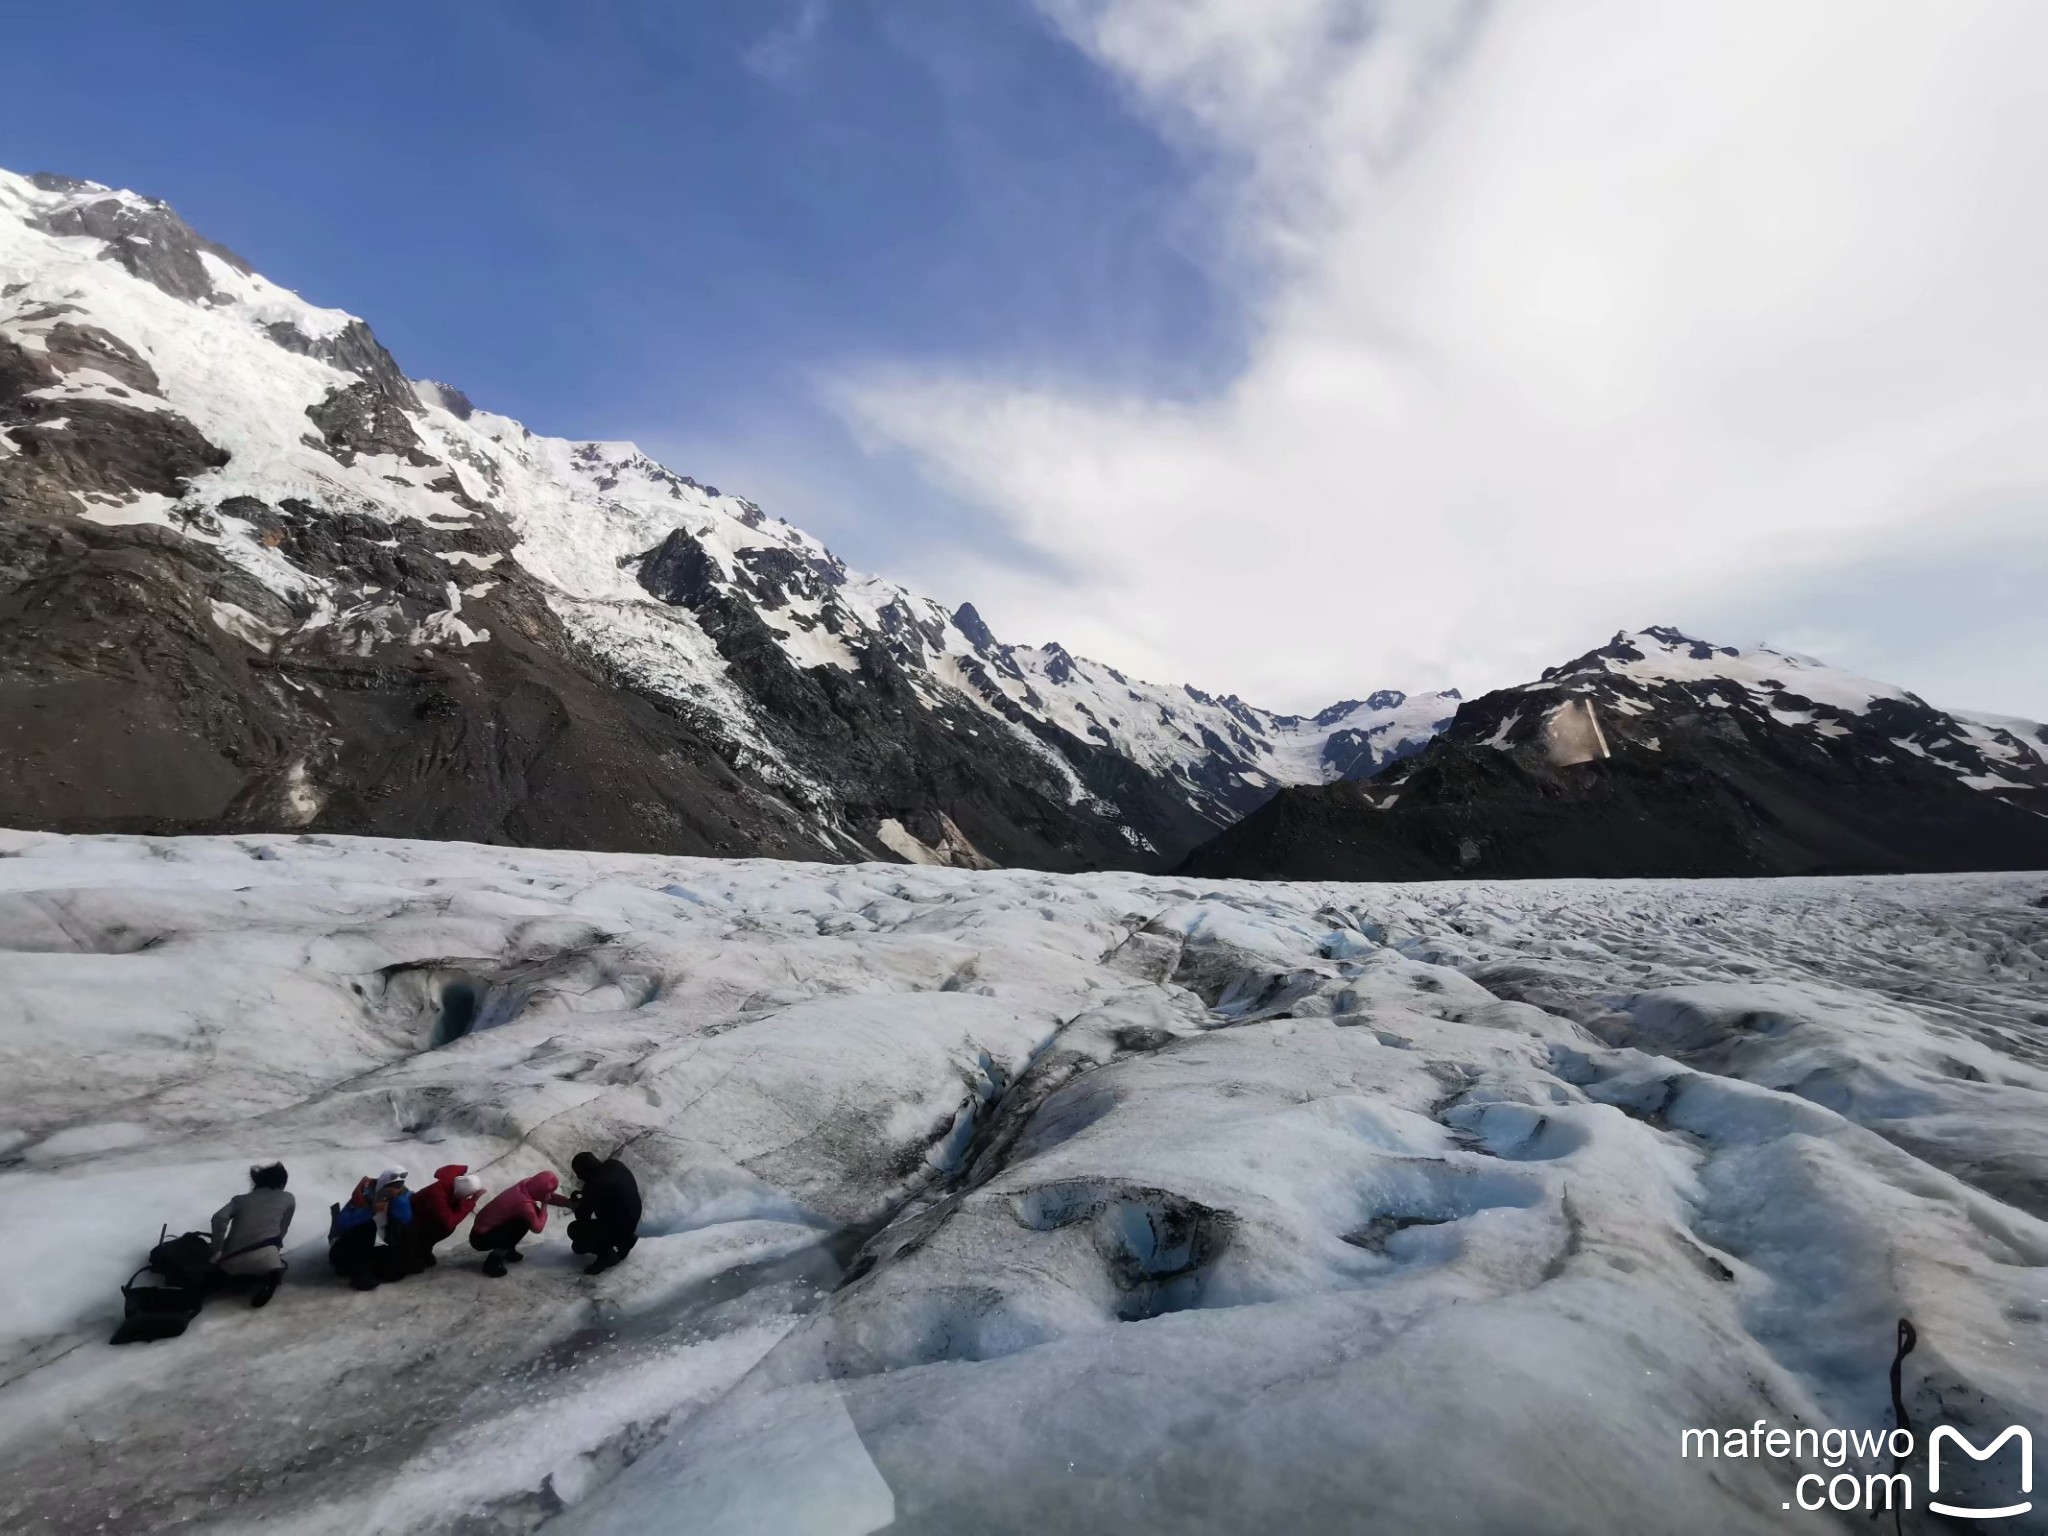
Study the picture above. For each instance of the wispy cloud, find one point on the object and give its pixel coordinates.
(1573, 314)
(781, 54)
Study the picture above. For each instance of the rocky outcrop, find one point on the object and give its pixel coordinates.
(148, 685)
(72, 454)
(896, 753)
(143, 236)
(353, 349)
(360, 418)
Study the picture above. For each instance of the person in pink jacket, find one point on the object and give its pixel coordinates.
(501, 1226)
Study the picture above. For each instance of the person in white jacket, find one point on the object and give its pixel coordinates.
(249, 1232)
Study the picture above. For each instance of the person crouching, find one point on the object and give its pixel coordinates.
(439, 1209)
(501, 1226)
(379, 1208)
(248, 1234)
(607, 1208)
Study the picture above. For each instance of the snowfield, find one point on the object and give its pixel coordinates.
(1010, 1202)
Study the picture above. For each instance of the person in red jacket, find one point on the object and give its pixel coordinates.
(439, 1209)
(501, 1225)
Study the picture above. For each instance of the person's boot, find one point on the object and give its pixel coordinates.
(264, 1292)
(601, 1263)
(494, 1266)
(514, 1256)
(363, 1280)
(428, 1261)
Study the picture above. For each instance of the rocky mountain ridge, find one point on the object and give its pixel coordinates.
(1659, 754)
(252, 575)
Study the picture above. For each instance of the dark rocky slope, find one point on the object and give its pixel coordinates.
(125, 707)
(1612, 767)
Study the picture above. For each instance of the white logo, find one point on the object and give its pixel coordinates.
(1934, 1471)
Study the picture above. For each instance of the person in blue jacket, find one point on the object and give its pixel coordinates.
(366, 1240)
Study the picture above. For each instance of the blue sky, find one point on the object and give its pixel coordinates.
(1294, 348)
(658, 221)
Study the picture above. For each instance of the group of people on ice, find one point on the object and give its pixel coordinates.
(387, 1230)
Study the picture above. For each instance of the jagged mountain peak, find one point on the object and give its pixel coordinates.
(1662, 754)
(970, 623)
(145, 235)
(1662, 654)
(146, 238)
(1661, 673)
(1629, 648)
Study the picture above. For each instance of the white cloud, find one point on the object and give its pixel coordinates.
(1577, 315)
(781, 54)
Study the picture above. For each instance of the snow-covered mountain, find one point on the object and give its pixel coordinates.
(1660, 754)
(1638, 674)
(251, 574)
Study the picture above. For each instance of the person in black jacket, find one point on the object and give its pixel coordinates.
(606, 1209)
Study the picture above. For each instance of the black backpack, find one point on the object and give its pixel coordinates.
(151, 1312)
(185, 1262)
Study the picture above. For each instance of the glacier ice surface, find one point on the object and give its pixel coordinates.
(1009, 1201)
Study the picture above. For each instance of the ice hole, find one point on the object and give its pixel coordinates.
(459, 1003)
